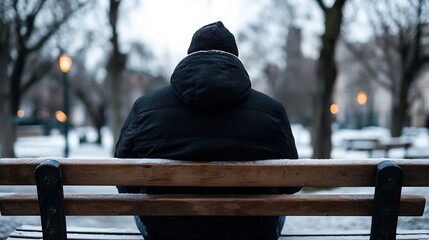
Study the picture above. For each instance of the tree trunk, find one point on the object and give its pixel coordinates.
(326, 74)
(321, 131)
(12, 100)
(115, 89)
(400, 106)
(100, 120)
(7, 136)
(413, 59)
(99, 140)
(115, 69)
(15, 85)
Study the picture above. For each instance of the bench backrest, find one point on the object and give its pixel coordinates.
(267, 173)
(387, 176)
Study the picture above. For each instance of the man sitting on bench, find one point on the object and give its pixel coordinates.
(209, 112)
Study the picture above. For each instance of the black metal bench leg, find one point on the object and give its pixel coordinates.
(51, 200)
(388, 184)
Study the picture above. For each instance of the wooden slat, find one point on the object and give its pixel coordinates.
(156, 172)
(74, 229)
(210, 205)
(19, 234)
(34, 232)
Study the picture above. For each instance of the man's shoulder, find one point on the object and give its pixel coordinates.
(156, 93)
(260, 101)
(157, 98)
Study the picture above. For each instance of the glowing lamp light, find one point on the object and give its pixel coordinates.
(334, 109)
(60, 116)
(361, 98)
(65, 63)
(20, 113)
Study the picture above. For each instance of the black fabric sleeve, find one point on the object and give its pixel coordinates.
(288, 150)
(124, 147)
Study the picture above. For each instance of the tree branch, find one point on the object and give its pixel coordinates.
(31, 18)
(322, 5)
(339, 4)
(418, 38)
(54, 28)
(36, 76)
(386, 44)
(18, 24)
(372, 71)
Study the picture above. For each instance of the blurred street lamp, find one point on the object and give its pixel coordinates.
(65, 63)
(60, 116)
(361, 98)
(334, 109)
(20, 113)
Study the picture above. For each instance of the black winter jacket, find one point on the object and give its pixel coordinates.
(208, 113)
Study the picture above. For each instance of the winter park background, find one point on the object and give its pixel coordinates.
(378, 51)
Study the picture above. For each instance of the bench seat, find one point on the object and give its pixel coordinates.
(35, 232)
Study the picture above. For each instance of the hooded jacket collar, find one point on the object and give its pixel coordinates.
(210, 79)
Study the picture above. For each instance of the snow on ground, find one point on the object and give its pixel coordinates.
(52, 146)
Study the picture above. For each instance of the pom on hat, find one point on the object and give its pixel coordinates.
(213, 36)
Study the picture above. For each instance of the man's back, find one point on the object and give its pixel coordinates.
(165, 127)
(208, 113)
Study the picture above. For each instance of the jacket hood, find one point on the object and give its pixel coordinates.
(210, 79)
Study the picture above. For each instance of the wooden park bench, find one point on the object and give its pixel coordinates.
(30, 131)
(391, 143)
(360, 143)
(374, 144)
(385, 205)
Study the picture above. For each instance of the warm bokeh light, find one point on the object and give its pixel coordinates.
(334, 109)
(361, 98)
(20, 113)
(60, 116)
(65, 63)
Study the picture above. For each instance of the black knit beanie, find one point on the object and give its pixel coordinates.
(213, 36)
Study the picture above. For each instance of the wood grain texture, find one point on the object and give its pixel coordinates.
(157, 172)
(211, 205)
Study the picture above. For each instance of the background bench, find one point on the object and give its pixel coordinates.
(375, 144)
(384, 205)
(30, 131)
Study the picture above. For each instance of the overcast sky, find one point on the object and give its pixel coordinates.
(166, 26)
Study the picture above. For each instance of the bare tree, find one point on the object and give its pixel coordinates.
(398, 53)
(326, 74)
(23, 34)
(30, 39)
